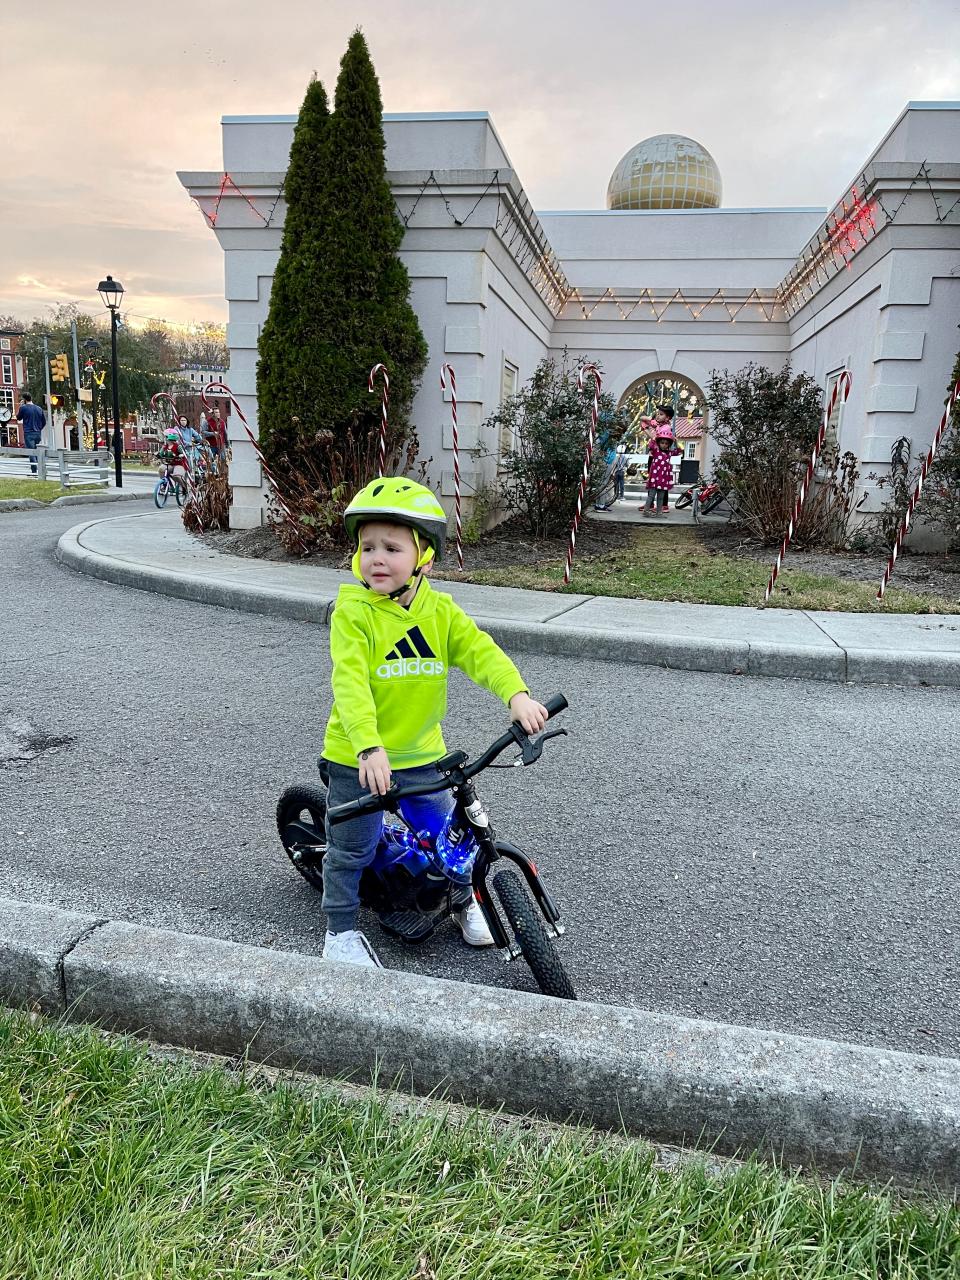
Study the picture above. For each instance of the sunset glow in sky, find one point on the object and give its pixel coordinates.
(105, 101)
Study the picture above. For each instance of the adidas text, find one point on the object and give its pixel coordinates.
(410, 667)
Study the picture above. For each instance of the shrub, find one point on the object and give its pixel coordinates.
(547, 423)
(339, 305)
(766, 424)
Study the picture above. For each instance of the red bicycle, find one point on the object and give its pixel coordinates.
(705, 494)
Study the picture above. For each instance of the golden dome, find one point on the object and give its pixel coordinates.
(667, 171)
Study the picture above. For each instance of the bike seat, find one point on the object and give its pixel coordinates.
(452, 761)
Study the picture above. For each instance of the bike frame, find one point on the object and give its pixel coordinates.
(467, 824)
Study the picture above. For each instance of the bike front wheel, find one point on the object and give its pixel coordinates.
(711, 502)
(684, 500)
(532, 937)
(160, 494)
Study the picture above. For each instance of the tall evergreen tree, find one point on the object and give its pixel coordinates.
(285, 386)
(349, 289)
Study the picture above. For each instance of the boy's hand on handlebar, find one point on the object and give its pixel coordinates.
(375, 771)
(529, 714)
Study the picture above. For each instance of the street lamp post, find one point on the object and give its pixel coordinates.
(111, 291)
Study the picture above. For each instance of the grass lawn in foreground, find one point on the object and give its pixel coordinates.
(670, 564)
(116, 1166)
(42, 491)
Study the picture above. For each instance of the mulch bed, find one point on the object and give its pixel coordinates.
(937, 575)
(510, 544)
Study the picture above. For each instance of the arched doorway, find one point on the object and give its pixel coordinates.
(643, 397)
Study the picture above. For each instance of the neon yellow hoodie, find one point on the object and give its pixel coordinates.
(390, 669)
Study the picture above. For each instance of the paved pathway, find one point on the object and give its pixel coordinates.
(775, 853)
(153, 551)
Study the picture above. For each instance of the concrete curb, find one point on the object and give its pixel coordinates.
(68, 500)
(667, 1078)
(685, 652)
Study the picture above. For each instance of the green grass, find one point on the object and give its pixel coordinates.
(671, 564)
(116, 1166)
(41, 490)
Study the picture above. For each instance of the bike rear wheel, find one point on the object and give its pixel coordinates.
(181, 491)
(301, 822)
(684, 500)
(532, 937)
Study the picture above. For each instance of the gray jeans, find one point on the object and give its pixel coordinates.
(351, 845)
(658, 496)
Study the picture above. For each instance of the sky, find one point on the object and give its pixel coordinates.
(103, 102)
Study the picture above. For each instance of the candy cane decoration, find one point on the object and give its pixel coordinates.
(915, 496)
(594, 415)
(382, 370)
(840, 392)
(444, 369)
(222, 387)
(193, 496)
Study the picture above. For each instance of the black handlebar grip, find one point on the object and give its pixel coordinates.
(353, 808)
(555, 704)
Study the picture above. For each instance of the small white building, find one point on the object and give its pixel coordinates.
(654, 293)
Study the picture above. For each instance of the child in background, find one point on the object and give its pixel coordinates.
(663, 447)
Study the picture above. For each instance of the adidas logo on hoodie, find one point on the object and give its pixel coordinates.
(412, 656)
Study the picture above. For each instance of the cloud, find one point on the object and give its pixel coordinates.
(789, 101)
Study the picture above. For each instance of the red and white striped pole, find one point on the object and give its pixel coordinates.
(444, 370)
(841, 391)
(915, 496)
(591, 437)
(222, 387)
(382, 370)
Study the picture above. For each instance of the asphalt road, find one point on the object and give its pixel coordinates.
(775, 853)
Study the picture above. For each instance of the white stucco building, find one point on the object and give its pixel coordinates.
(872, 284)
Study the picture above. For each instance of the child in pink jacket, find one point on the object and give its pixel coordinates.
(663, 447)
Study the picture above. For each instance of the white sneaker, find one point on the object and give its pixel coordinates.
(350, 947)
(473, 926)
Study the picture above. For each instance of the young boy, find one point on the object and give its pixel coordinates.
(171, 456)
(392, 641)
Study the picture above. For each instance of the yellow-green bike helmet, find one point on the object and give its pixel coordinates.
(396, 500)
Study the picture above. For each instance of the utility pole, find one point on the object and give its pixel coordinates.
(77, 384)
(46, 374)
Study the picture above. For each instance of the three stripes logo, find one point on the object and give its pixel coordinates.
(411, 656)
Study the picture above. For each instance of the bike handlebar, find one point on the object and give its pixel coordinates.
(372, 803)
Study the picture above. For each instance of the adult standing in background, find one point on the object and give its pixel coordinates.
(32, 420)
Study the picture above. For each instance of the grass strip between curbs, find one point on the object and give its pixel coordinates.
(41, 490)
(116, 1166)
(673, 565)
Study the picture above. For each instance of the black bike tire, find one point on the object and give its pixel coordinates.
(684, 500)
(711, 503)
(180, 491)
(161, 492)
(532, 937)
(291, 803)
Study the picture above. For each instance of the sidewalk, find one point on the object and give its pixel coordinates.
(152, 552)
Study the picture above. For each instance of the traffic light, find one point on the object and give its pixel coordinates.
(56, 402)
(59, 368)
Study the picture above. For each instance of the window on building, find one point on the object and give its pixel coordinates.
(692, 449)
(509, 380)
(6, 369)
(4, 344)
(6, 402)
